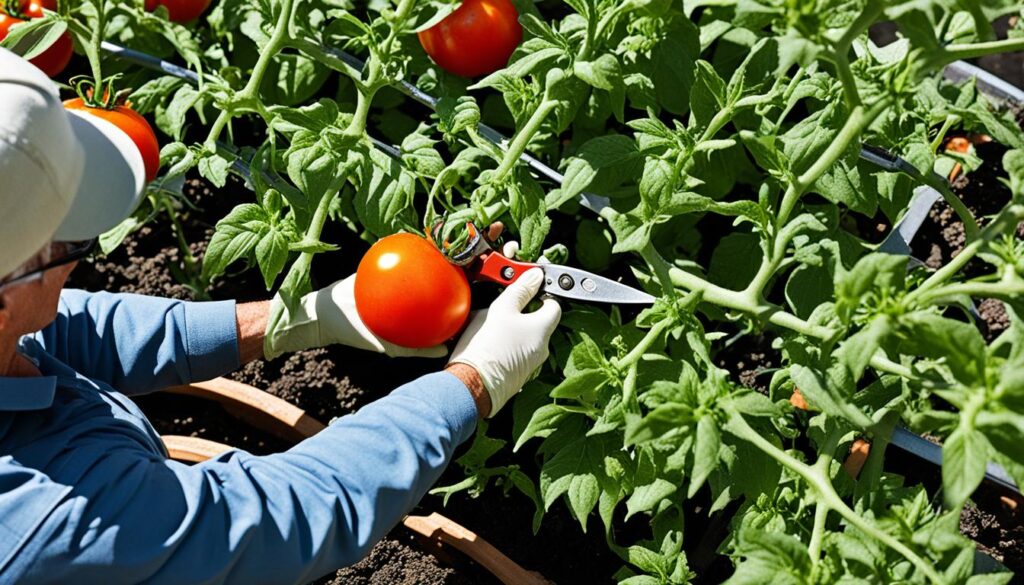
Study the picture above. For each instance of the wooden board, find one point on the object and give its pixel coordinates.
(258, 408)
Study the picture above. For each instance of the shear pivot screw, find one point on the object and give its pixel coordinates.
(566, 282)
(508, 272)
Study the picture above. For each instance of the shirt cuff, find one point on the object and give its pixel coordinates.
(450, 397)
(211, 339)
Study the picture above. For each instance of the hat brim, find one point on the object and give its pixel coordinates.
(112, 183)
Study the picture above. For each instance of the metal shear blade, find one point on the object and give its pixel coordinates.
(576, 284)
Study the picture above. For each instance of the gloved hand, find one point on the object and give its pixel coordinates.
(329, 316)
(505, 345)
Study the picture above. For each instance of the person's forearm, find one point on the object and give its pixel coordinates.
(251, 319)
(471, 378)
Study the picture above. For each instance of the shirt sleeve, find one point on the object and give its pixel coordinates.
(282, 518)
(139, 344)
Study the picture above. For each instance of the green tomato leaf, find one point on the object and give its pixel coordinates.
(457, 115)
(707, 96)
(384, 197)
(705, 454)
(824, 395)
(959, 344)
(420, 156)
(770, 557)
(600, 160)
(646, 498)
(857, 350)
(543, 422)
(602, 73)
(31, 37)
(964, 457)
(271, 255)
(1005, 431)
(575, 471)
(292, 79)
(215, 167)
(234, 238)
(529, 214)
(582, 386)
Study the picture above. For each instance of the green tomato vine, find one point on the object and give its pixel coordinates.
(746, 113)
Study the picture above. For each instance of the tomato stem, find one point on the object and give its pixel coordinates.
(251, 90)
(818, 533)
(1006, 221)
(820, 483)
(522, 139)
(858, 120)
(638, 351)
(957, 52)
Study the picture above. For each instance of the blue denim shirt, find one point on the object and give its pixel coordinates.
(88, 496)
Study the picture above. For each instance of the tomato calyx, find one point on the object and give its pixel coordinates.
(85, 88)
(15, 9)
(453, 250)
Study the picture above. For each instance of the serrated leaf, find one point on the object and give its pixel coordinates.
(646, 497)
(604, 153)
(573, 471)
(215, 168)
(456, 115)
(234, 238)
(420, 156)
(271, 255)
(384, 195)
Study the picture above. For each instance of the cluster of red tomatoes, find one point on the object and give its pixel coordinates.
(56, 57)
(406, 291)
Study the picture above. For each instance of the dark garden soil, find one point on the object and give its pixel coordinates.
(334, 381)
(989, 519)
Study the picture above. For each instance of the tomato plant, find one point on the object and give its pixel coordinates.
(183, 11)
(57, 55)
(711, 152)
(476, 39)
(132, 124)
(409, 294)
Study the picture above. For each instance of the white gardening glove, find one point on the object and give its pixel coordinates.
(329, 316)
(505, 345)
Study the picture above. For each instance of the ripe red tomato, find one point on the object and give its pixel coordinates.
(54, 59)
(477, 38)
(409, 294)
(137, 128)
(181, 11)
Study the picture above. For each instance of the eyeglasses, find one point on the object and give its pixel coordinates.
(60, 253)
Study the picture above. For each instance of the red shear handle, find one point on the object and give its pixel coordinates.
(497, 268)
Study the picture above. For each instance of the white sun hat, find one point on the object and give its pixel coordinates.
(64, 175)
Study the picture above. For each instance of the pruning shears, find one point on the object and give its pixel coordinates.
(483, 262)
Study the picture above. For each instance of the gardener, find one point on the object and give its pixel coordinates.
(86, 492)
